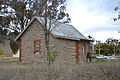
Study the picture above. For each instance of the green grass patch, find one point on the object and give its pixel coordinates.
(101, 60)
(1, 52)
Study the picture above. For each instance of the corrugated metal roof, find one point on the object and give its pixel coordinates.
(64, 30)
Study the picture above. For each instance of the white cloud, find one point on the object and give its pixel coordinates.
(103, 35)
(87, 19)
(83, 19)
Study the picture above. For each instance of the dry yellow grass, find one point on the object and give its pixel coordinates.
(90, 71)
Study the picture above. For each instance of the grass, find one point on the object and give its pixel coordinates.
(101, 60)
(83, 71)
(5, 50)
(1, 52)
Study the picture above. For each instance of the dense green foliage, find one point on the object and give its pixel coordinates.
(110, 47)
(18, 15)
(14, 46)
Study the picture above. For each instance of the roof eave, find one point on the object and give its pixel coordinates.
(70, 38)
(87, 39)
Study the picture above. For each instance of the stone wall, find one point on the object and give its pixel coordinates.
(66, 48)
(34, 32)
(86, 45)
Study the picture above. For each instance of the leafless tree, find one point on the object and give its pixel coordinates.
(50, 12)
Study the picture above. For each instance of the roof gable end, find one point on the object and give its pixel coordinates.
(60, 30)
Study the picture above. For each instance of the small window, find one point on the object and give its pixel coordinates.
(37, 46)
(84, 49)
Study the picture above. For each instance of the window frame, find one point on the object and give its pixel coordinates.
(37, 43)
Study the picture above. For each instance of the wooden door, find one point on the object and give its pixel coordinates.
(77, 51)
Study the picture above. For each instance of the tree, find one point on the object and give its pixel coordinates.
(21, 13)
(18, 15)
(105, 49)
(111, 40)
(91, 43)
(4, 16)
(117, 9)
(51, 11)
(4, 32)
(14, 46)
(109, 47)
(0, 30)
(1, 16)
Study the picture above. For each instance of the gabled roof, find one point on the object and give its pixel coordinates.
(60, 30)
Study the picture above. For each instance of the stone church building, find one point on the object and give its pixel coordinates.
(71, 44)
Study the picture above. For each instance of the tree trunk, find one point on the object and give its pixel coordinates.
(47, 41)
(22, 27)
(47, 46)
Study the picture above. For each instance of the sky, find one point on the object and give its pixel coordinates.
(94, 18)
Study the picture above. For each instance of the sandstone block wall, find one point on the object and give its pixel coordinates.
(66, 48)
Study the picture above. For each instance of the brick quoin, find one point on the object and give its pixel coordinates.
(20, 50)
(77, 51)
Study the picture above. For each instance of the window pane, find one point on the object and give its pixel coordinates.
(36, 46)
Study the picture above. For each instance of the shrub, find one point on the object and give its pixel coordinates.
(1, 52)
(14, 46)
(53, 54)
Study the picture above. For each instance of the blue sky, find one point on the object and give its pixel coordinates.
(94, 17)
